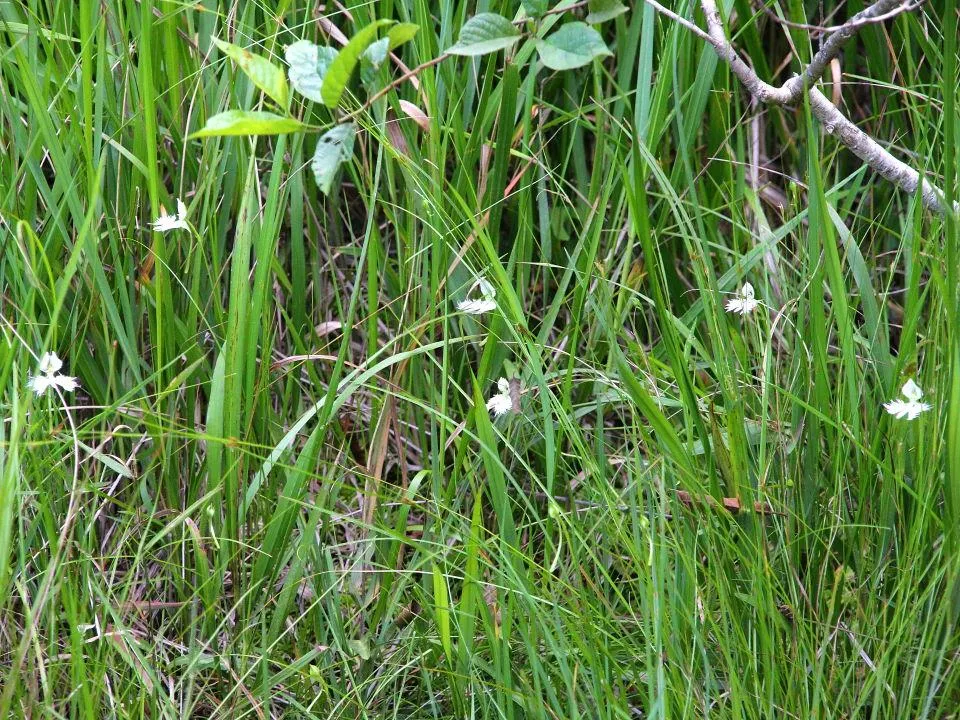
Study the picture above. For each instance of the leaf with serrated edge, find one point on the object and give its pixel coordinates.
(572, 46)
(485, 33)
(248, 122)
(334, 147)
(262, 73)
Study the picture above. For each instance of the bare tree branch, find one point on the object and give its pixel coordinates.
(868, 150)
(763, 91)
(791, 91)
(834, 43)
(821, 29)
(680, 20)
(834, 121)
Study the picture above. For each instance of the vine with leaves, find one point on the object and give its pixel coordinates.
(322, 74)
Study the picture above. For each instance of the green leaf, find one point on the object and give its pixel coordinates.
(485, 33)
(338, 75)
(401, 33)
(360, 648)
(334, 147)
(263, 73)
(113, 463)
(196, 661)
(16, 28)
(572, 46)
(308, 65)
(441, 607)
(534, 8)
(376, 52)
(602, 10)
(371, 60)
(248, 122)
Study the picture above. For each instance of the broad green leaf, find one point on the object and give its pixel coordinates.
(376, 52)
(371, 60)
(263, 73)
(534, 8)
(401, 33)
(572, 46)
(334, 147)
(340, 70)
(248, 122)
(485, 33)
(602, 10)
(308, 65)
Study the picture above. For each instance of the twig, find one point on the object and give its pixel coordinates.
(680, 21)
(763, 91)
(821, 29)
(691, 500)
(563, 9)
(833, 44)
(730, 504)
(792, 90)
(399, 81)
(870, 151)
(430, 63)
(835, 122)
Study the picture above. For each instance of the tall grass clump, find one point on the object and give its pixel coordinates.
(405, 359)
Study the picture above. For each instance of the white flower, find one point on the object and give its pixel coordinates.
(911, 407)
(485, 303)
(47, 378)
(50, 364)
(500, 403)
(172, 222)
(743, 302)
(476, 307)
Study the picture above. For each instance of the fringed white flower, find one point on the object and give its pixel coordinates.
(49, 376)
(478, 305)
(500, 404)
(744, 301)
(910, 406)
(172, 222)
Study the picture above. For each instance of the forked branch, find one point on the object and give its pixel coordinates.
(790, 92)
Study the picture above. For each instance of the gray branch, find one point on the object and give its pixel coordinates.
(834, 121)
(764, 92)
(870, 151)
(834, 43)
